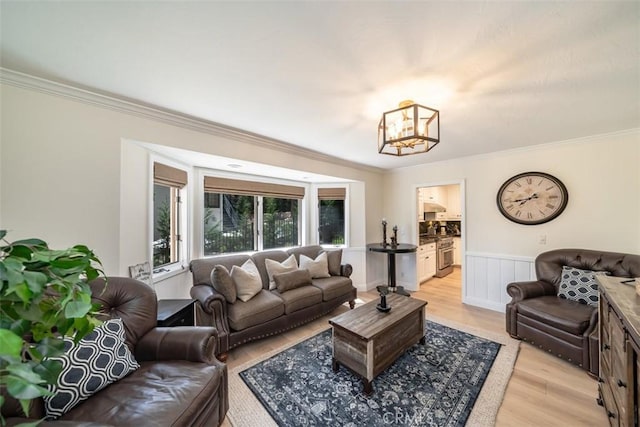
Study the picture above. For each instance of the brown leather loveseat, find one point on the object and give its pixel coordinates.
(179, 381)
(560, 326)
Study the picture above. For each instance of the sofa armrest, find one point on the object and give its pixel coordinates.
(211, 310)
(524, 290)
(346, 270)
(206, 296)
(191, 343)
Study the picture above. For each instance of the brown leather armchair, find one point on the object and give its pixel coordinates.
(179, 382)
(565, 328)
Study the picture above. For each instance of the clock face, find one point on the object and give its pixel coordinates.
(532, 198)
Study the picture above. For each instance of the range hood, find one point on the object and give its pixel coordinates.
(433, 208)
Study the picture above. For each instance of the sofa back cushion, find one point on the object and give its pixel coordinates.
(259, 260)
(334, 258)
(223, 283)
(132, 301)
(318, 267)
(274, 267)
(549, 264)
(201, 268)
(247, 280)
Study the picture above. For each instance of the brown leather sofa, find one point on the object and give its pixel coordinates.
(179, 382)
(562, 327)
(269, 312)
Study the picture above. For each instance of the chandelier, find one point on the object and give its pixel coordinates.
(409, 129)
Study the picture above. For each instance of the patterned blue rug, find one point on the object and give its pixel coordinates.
(435, 384)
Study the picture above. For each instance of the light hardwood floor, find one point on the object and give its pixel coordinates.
(543, 390)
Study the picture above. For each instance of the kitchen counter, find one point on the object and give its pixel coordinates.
(425, 239)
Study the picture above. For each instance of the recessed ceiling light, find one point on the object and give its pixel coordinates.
(234, 165)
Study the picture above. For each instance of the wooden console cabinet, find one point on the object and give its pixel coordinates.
(619, 336)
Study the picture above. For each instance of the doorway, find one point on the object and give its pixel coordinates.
(441, 235)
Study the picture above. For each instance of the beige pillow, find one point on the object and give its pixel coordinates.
(223, 283)
(292, 280)
(318, 267)
(275, 267)
(247, 280)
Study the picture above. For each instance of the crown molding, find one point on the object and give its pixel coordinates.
(148, 111)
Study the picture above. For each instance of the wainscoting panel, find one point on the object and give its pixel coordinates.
(487, 276)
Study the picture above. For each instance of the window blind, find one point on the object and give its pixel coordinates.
(167, 175)
(339, 193)
(251, 188)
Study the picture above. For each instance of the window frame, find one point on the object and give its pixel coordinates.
(316, 222)
(199, 189)
(182, 213)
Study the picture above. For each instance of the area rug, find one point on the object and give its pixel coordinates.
(456, 378)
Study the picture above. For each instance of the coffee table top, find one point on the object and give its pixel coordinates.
(366, 321)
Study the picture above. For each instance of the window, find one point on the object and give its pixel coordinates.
(168, 183)
(242, 216)
(331, 216)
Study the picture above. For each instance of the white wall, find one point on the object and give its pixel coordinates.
(69, 174)
(601, 174)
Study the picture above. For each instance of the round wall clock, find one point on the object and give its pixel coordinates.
(532, 198)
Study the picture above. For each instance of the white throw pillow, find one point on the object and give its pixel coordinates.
(247, 280)
(275, 267)
(318, 267)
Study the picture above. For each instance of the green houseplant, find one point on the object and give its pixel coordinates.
(44, 295)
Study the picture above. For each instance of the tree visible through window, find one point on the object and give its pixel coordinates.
(331, 216)
(167, 185)
(280, 223)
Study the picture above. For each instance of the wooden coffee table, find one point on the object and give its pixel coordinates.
(368, 341)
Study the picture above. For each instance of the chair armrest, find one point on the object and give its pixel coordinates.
(191, 343)
(346, 270)
(524, 290)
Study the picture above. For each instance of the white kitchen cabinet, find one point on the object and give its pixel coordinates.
(426, 261)
(457, 250)
(434, 195)
(454, 211)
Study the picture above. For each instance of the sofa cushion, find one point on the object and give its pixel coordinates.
(274, 267)
(333, 287)
(318, 267)
(247, 280)
(566, 315)
(169, 393)
(97, 360)
(259, 309)
(223, 283)
(334, 259)
(311, 251)
(579, 285)
(299, 298)
(292, 280)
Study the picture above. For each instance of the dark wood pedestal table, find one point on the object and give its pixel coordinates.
(391, 251)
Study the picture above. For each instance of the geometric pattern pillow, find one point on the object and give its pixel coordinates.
(99, 359)
(579, 285)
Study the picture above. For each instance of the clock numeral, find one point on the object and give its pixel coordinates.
(517, 184)
(529, 181)
(518, 213)
(540, 183)
(507, 200)
(549, 188)
(550, 206)
(509, 207)
(542, 213)
(529, 215)
(553, 196)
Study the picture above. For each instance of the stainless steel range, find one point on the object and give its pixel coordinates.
(444, 256)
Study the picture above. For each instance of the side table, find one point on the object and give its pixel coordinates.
(176, 312)
(391, 251)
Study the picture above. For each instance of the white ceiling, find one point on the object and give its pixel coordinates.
(319, 74)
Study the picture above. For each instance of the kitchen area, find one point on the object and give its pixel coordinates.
(439, 231)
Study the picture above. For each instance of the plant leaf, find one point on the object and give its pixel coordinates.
(35, 280)
(21, 389)
(24, 371)
(10, 343)
(75, 309)
(49, 370)
(50, 346)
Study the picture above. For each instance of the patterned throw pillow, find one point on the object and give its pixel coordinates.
(247, 280)
(579, 285)
(99, 359)
(275, 267)
(318, 267)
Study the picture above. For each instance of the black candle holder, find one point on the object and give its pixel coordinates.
(383, 307)
(384, 233)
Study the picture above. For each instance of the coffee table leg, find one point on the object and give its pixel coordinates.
(367, 387)
(334, 364)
